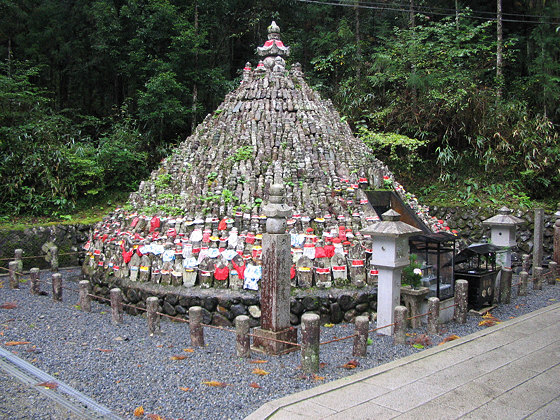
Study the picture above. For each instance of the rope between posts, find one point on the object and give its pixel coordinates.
(380, 328)
(417, 316)
(27, 257)
(334, 340)
(275, 340)
(447, 307)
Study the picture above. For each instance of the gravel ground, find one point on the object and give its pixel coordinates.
(123, 368)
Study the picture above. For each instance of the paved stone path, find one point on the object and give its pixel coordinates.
(511, 370)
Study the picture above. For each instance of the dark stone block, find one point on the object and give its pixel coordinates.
(180, 309)
(250, 300)
(169, 309)
(362, 298)
(294, 319)
(336, 313)
(210, 303)
(189, 301)
(225, 303)
(350, 315)
(221, 321)
(132, 295)
(206, 316)
(346, 302)
(296, 307)
(362, 307)
(254, 322)
(172, 299)
(238, 309)
(310, 303)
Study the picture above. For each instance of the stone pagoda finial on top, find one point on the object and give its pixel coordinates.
(274, 46)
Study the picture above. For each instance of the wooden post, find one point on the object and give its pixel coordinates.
(54, 259)
(243, 341)
(523, 281)
(399, 334)
(505, 285)
(553, 275)
(116, 305)
(13, 274)
(360, 341)
(153, 317)
(310, 334)
(461, 300)
(18, 257)
(35, 288)
(537, 278)
(538, 237)
(433, 316)
(526, 262)
(57, 286)
(84, 295)
(197, 330)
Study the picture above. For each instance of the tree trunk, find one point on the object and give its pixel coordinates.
(195, 87)
(457, 15)
(412, 20)
(358, 46)
(499, 46)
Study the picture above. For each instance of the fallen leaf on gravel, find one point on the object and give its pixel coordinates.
(184, 388)
(487, 323)
(34, 360)
(258, 361)
(159, 346)
(139, 411)
(215, 383)
(17, 343)
(254, 385)
(328, 325)
(516, 306)
(418, 346)
(352, 364)
(260, 372)
(322, 365)
(179, 357)
(449, 338)
(189, 350)
(48, 385)
(105, 350)
(154, 417)
(317, 377)
(9, 305)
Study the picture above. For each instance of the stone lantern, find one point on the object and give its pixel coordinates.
(390, 253)
(502, 233)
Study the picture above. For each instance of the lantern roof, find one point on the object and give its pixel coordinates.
(503, 218)
(390, 226)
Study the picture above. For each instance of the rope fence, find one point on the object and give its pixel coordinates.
(310, 340)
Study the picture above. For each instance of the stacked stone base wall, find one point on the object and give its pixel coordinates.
(220, 307)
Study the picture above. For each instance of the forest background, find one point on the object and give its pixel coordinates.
(460, 99)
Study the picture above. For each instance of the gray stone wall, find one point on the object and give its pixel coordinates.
(468, 221)
(68, 238)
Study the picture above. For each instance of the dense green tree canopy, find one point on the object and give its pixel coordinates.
(94, 93)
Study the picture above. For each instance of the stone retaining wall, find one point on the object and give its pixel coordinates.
(68, 238)
(468, 221)
(220, 307)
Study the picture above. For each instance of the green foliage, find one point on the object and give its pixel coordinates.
(243, 153)
(409, 276)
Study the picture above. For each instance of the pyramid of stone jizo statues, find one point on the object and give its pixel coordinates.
(198, 219)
